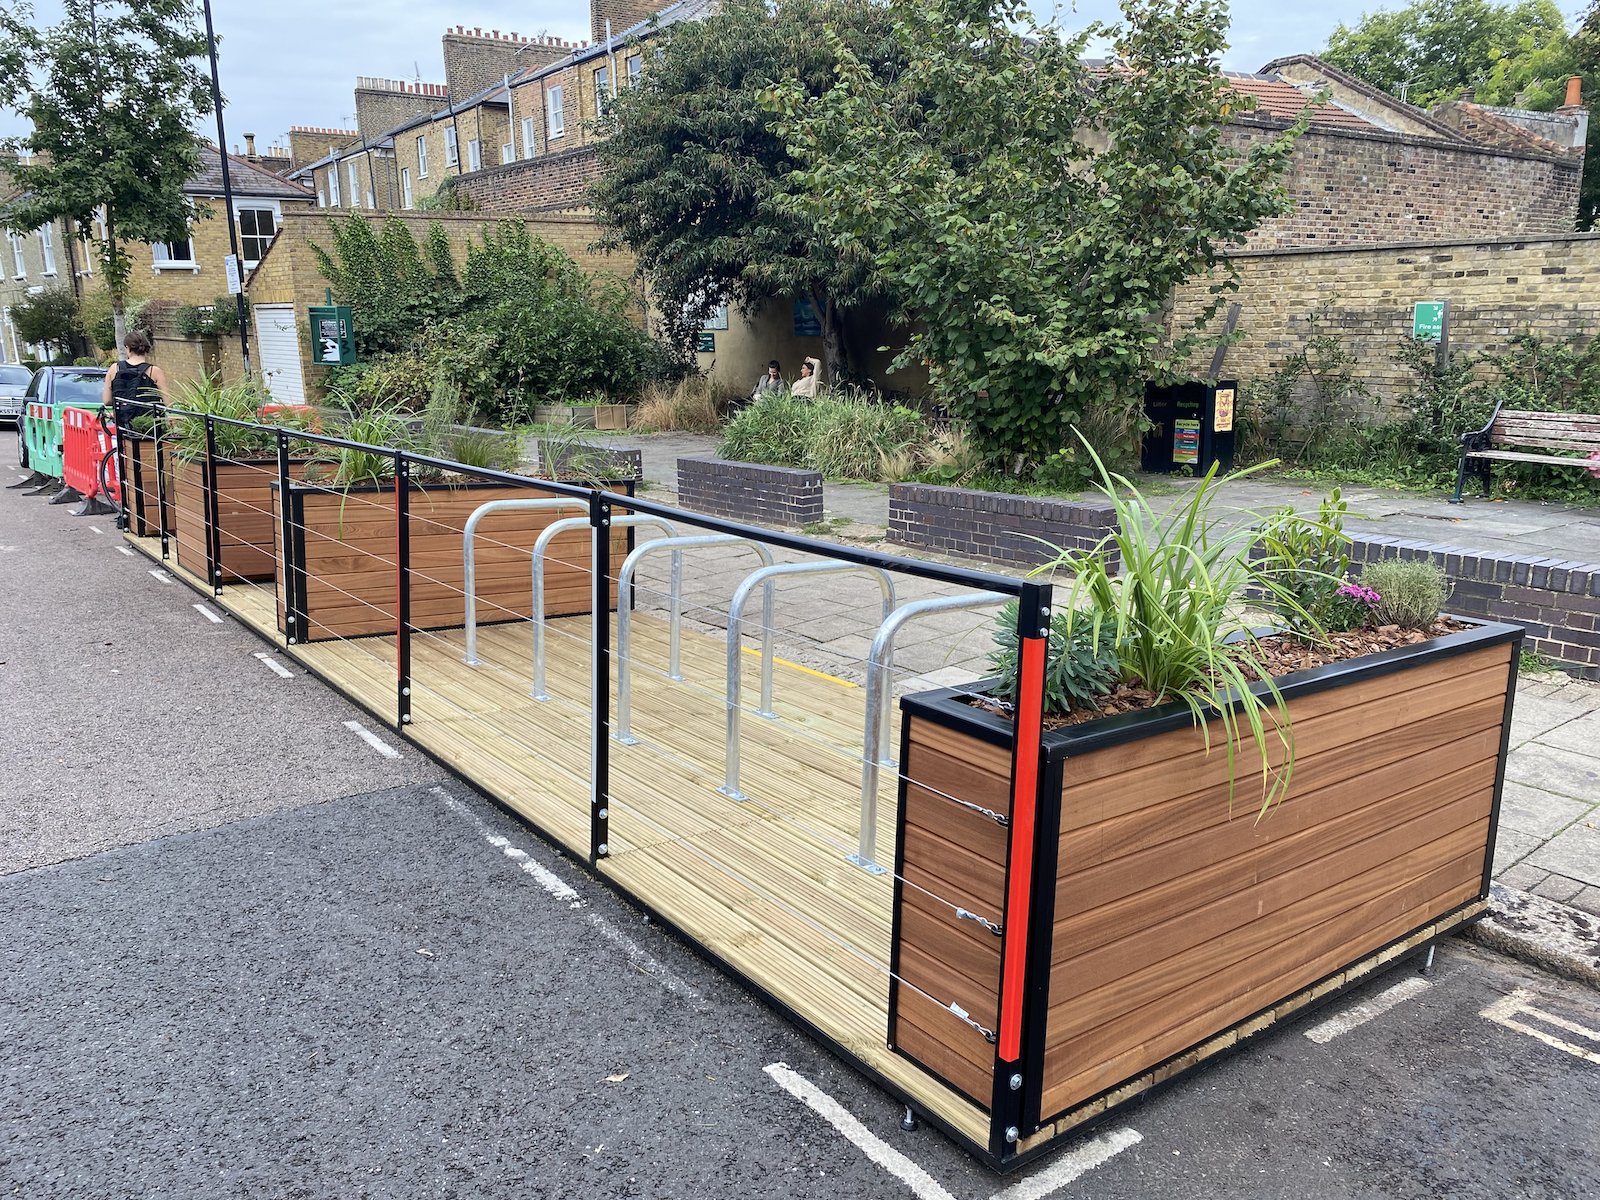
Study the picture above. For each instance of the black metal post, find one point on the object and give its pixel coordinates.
(161, 485)
(402, 607)
(600, 636)
(286, 556)
(227, 191)
(213, 515)
(127, 468)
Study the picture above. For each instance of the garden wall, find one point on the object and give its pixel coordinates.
(1023, 530)
(1496, 288)
(741, 491)
(1556, 601)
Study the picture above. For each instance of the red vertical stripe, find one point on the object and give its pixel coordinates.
(1024, 797)
(399, 630)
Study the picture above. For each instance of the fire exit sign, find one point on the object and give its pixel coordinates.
(1427, 320)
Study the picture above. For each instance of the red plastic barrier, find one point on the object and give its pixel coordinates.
(306, 414)
(88, 454)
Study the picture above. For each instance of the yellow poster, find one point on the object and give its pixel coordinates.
(1224, 417)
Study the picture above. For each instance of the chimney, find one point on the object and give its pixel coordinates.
(1574, 92)
(250, 146)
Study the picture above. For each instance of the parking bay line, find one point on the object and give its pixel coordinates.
(207, 613)
(163, 576)
(1340, 1023)
(1519, 1003)
(128, 550)
(372, 739)
(276, 667)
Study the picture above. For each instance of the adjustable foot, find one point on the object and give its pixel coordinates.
(909, 1121)
(1427, 963)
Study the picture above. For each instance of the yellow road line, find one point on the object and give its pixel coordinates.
(794, 666)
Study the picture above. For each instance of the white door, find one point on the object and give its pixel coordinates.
(278, 353)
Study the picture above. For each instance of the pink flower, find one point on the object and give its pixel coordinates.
(1593, 466)
(1361, 595)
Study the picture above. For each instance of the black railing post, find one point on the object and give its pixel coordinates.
(402, 606)
(161, 485)
(600, 637)
(286, 555)
(213, 514)
(1014, 1061)
(127, 459)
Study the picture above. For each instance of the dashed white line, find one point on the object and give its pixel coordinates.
(372, 739)
(1080, 1160)
(922, 1185)
(98, 530)
(128, 550)
(161, 575)
(205, 612)
(1520, 1003)
(276, 667)
(1360, 1014)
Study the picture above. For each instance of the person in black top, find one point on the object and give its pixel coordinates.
(136, 381)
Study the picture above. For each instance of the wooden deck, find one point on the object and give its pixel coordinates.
(763, 886)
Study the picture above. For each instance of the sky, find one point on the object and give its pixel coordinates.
(294, 62)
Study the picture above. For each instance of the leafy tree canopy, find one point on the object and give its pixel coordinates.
(1586, 56)
(112, 92)
(48, 318)
(1431, 50)
(694, 168)
(1035, 212)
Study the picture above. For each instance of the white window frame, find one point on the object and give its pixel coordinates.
(161, 257)
(452, 147)
(602, 89)
(422, 158)
(47, 250)
(527, 137)
(474, 154)
(508, 152)
(635, 64)
(335, 200)
(322, 199)
(353, 174)
(555, 114)
(405, 188)
(7, 327)
(240, 207)
(19, 258)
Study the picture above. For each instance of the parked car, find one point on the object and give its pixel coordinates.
(62, 385)
(14, 382)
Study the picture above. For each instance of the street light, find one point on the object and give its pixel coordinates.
(227, 192)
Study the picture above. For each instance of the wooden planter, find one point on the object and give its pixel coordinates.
(1161, 928)
(612, 416)
(244, 516)
(340, 578)
(136, 465)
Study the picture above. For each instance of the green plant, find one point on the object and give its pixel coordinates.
(1302, 562)
(844, 435)
(564, 454)
(384, 428)
(1080, 665)
(238, 401)
(448, 432)
(189, 320)
(1169, 609)
(1411, 591)
(688, 405)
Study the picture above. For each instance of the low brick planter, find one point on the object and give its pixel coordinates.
(1556, 601)
(1022, 530)
(753, 492)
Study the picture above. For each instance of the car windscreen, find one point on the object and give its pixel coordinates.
(79, 387)
(14, 379)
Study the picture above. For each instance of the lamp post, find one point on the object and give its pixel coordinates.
(227, 191)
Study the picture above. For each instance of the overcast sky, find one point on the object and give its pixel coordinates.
(294, 62)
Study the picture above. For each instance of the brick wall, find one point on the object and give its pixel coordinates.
(475, 59)
(1495, 288)
(381, 104)
(623, 14)
(548, 183)
(1556, 601)
(740, 491)
(309, 143)
(991, 525)
(1353, 188)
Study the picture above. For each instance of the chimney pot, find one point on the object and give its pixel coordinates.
(1574, 92)
(476, 32)
(494, 33)
(250, 144)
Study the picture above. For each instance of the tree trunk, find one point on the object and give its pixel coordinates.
(835, 345)
(116, 284)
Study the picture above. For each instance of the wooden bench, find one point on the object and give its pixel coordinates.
(1519, 427)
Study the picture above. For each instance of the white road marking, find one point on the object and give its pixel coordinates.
(207, 613)
(98, 530)
(372, 739)
(161, 575)
(276, 667)
(1518, 1003)
(128, 550)
(545, 878)
(922, 1185)
(1360, 1014)
(1080, 1160)
(640, 957)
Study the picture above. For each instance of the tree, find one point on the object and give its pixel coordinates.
(1431, 50)
(1586, 56)
(694, 169)
(1036, 213)
(112, 93)
(49, 318)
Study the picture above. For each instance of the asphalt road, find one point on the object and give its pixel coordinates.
(245, 955)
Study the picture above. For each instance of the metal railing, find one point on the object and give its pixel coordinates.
(469, 566)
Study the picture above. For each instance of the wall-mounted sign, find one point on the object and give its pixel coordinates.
(1222, 422)
(1186, 441)
(706, 343)
(806, 321)
(1427, 320)
(333, 335)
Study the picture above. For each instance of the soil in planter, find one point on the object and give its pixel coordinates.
(1282, 654)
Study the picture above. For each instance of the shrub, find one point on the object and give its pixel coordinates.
(240, 401)
(1080, 665)
(1411, 592)
(688, 405)
(843, 435)
(1302, 566)
(188, 320)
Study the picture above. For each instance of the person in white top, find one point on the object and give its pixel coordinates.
(806, 385)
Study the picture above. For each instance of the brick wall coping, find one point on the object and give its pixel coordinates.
(1513, 243)
(1463, 145)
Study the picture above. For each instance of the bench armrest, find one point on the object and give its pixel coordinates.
(1478, 439)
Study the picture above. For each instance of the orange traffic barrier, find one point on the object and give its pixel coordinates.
(88, 457)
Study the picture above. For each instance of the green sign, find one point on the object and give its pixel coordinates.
(705, 342)
(333, 335)
(1427, 321)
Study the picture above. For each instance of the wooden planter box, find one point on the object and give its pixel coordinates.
(612, 416)
(1162, 929)
(340, 576)
(136, 465)
(244, 516)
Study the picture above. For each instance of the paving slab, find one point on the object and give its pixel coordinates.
(1581, 736)
(1535, 811)
(1575, 853)
(1537, 711)
(1555, 770)
(1511, 847)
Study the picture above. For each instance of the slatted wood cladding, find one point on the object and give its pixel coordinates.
(350, 567)
(244, 515)
(1179, 913)
(1545, 430)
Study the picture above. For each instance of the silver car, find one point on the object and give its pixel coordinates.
(13, 385)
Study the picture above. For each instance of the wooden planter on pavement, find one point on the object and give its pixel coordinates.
(245, 524)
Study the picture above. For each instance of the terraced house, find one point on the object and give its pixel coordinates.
(30, 262)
